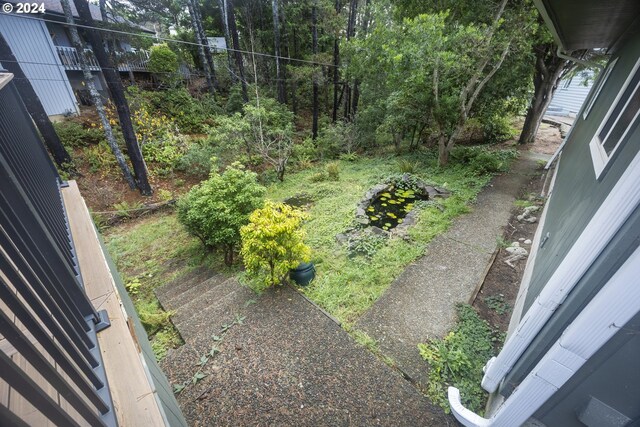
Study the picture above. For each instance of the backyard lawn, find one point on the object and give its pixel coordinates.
(154, 250)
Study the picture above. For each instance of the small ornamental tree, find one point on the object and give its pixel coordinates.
(273, 242)
(164, 63)
(214, 210)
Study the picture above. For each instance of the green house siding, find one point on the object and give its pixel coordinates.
(604, 392)
(577, 194)
(623, 244)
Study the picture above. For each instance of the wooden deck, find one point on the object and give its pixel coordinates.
(132, 390)
(133, 393)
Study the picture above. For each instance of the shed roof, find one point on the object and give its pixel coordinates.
(590, 24)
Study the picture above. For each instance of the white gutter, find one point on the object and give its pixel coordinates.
(612, 308)
(612, 214)
(588, 64)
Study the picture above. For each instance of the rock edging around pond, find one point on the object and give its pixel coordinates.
(422, 190)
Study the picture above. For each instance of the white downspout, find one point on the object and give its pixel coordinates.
(613, 307)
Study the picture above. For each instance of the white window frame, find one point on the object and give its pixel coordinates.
(598, 88)
(599, 156)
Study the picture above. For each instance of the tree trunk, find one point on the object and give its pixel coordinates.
(314, 30)
(231, 16)
(35, 108)
(351, 31)
(103, 9)
(227, 38)
(443, 150)
(117, 92)
(549, 71)
(294, 84)
(205, 43)
(201, 54)
(356, 84)
(336, 71)
(276, 36)
(95, 96)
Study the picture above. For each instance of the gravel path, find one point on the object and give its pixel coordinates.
(288, 364)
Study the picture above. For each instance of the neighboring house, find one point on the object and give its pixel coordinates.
(45, 53)
(72, 349)
(572, 354)
(570, 95)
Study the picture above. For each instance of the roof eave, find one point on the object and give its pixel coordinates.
(551, 25)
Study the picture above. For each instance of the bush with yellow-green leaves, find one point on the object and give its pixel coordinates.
(273, 243)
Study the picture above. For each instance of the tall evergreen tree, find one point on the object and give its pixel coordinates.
(114, 83)
(95, 96)
(233, 30)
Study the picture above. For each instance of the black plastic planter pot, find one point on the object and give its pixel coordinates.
(303, 274)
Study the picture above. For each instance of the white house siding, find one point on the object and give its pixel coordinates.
(32, 46)
(569, 97)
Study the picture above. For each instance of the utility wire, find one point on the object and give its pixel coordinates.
(268, 55)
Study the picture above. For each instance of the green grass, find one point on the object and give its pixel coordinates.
(347, 286)
(157, 249)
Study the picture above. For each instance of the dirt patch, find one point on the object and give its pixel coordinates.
(498, 293)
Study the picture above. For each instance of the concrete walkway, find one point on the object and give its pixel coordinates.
(420, 304)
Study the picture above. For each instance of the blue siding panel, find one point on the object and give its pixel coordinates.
(569, 97)
(32, 46)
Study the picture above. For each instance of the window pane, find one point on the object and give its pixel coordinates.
(619, 106)
(626, 119)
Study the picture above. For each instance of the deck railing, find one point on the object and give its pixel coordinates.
(49, 354)
(127, 61)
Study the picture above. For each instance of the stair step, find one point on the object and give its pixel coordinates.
(182, 283)
(194, 291)
(201, 325)
(205, 299)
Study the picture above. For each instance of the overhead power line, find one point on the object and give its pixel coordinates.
(165, 39)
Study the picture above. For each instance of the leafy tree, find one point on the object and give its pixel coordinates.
(163, 62)
(425, 75)
(549, 70)
(265, 130)
(273, 242)
(216, 209)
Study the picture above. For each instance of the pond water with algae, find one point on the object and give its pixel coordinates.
(390, 207)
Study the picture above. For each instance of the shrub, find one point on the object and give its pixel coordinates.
(407, 166)
(337, 139)
(214, 210)
(333, 171)
(234, 101)
(498, 129)
(100, 158)
(458, 359)
(318, 177)
(164, 153)
(192, 115)
(273, 243)
(163, 62)
(197, 161)
(482, 161)
(74, 135)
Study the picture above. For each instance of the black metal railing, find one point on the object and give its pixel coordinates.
(45, 314)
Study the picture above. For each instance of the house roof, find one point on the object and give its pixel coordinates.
(55, 7)
(590, 24)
